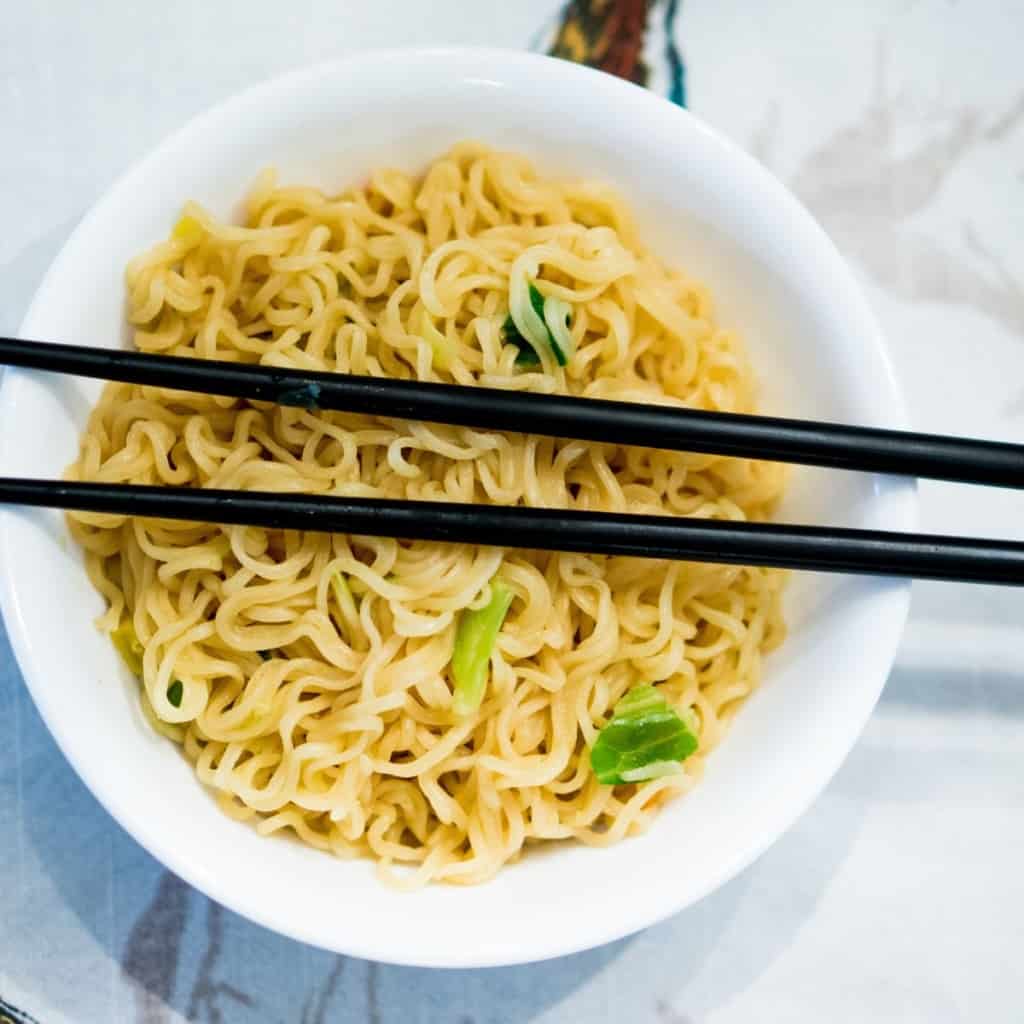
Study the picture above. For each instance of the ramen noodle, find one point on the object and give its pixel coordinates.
(436, 707)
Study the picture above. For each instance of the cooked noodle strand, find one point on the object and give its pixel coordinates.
(315, 680)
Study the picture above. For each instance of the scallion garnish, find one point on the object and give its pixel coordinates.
(556, 319)
(544, 323)
(511, 336)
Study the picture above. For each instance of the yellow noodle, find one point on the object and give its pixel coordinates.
(314, 669)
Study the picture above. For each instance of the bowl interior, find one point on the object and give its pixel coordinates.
(703, 206)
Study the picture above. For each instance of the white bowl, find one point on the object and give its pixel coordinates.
(703, 205)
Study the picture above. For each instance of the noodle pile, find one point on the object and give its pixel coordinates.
(312, 672)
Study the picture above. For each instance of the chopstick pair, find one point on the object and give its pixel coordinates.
(870, 449)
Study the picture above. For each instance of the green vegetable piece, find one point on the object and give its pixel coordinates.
(645, 739)
(511, 336)
(538, 301)
(174, 693)
(128, 646)
(554, 315)
(654, 770)
(640, 700)
(474, 641)
(557, 313)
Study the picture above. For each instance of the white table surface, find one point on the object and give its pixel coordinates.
(900, 895)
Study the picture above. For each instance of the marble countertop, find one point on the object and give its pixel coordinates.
(900, 895)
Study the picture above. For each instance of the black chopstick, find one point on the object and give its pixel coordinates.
(759, 437)
(870, 552)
